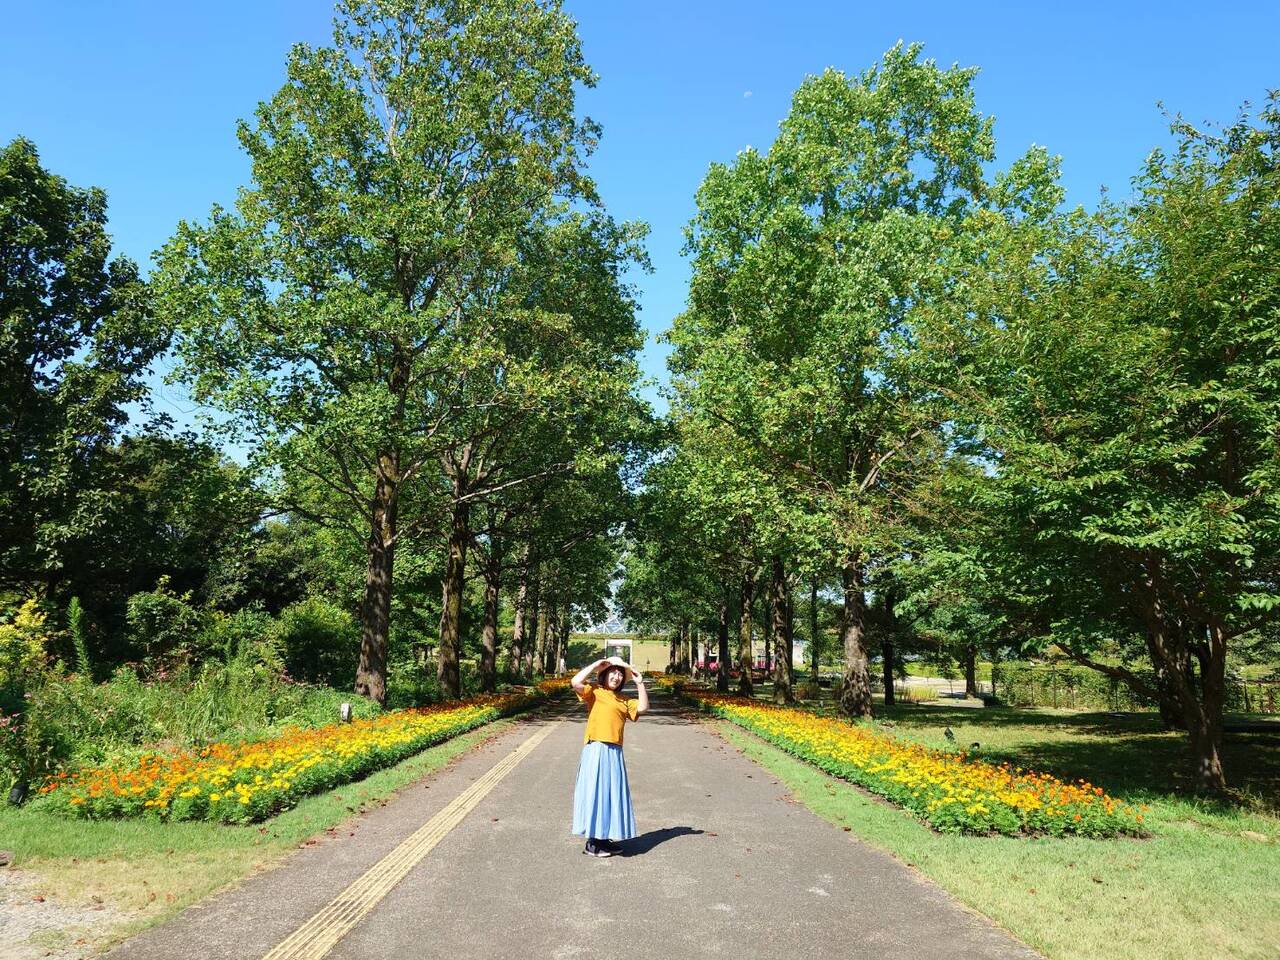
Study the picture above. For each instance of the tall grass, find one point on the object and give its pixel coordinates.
(231, 701)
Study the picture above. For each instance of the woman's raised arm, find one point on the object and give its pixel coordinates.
(642, 695)
(580, 677)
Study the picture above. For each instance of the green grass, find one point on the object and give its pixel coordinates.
(1203, 885)
(152, 869)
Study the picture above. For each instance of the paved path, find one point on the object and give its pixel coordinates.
(726, 866)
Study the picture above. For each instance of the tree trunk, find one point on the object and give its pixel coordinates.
(1167, 699)
(855, 687)
(520, 628)
(890, 695)
(455, 568)
(971, 671)
(790, 632)
(815, 650)
(686, 637)
(1206, 732)
(673, 654)
(890, 631)
(545, 630)
(722, 649)
(768, 617)
(557, 641)
(782, 692)
(534, 626)
(745, 658)
(375, 610)
(562, 647)
(1201, 711)
(489, 636)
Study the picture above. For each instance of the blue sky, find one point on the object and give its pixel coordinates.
(141, 99)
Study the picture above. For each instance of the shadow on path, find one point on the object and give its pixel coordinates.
(647, 841)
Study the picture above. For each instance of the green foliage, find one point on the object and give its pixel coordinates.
(441, 314)
(246, 636)
(1022, 684)
(1119, 397)
(287, 768)
(76, 337)
(27, 749)
(795, 350)
(163, 625)
(128, 715)
(318, 640)
(79, 641)
(275, 564)
(24, 642)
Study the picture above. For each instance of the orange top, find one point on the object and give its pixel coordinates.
(608, 713)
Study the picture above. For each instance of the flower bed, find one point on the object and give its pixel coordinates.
(243, 782)
(952, 792)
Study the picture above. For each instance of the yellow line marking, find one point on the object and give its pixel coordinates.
(321, 933)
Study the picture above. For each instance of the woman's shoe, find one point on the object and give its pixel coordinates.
(594, 848)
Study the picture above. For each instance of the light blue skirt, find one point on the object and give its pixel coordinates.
(602, 797)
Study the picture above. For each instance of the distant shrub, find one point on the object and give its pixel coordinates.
(163, 626)
(808, 691)
(246, 636)
(318, 641)
(1022, 684)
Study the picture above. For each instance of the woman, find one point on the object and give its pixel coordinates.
(602, 797)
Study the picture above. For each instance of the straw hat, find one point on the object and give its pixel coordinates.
(616, 662)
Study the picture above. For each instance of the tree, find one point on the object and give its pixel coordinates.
(338, 312)
(1119, 382)
(76, 341)
(550, 393)
(807, 260)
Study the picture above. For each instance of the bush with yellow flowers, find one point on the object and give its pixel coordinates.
(953, 792)
(244, 782)
(23, 639)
